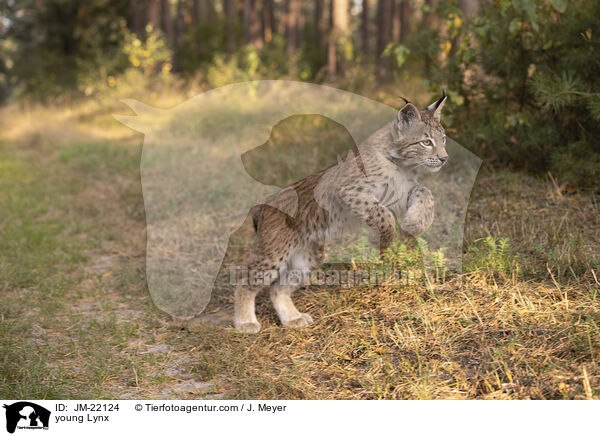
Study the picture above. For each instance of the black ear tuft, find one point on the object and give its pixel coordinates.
(436, 106)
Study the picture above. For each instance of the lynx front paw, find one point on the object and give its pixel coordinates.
(301, 321)
(417, 219)
(415, 227)
(419, 215)
(248, 327)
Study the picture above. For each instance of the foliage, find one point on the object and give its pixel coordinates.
(491, 254)
(242, 66)
(48, 52)
(525, 76)
(522, 75)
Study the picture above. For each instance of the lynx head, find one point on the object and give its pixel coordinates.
(419, 139)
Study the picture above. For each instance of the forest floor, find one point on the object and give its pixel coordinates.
(76, 319)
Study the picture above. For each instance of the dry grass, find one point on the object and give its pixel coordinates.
(477, 341)
(77, 322)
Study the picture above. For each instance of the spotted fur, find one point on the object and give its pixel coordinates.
(375, 186)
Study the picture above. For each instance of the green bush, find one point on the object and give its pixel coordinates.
(524, 81)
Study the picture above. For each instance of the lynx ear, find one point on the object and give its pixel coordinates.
(406, 116)
(436, 107)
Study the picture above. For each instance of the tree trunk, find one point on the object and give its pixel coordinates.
(292, 9)
(320, 27)
(365, 25)
(405, 13)
(138, 16)
(197, 17)
(229, 7)
(300, 24)
(252, 24)
(167, 23)
(384, 35)
(180, 23)
(153, 13)
(202, 11)
(400, 20)
(268, 20)
(337, 38)
(469, 8)
(396, 20)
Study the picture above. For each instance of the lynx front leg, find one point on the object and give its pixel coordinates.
(244, 311)
(380, 220)
(382, 223)
(419, 214)
(289, 315)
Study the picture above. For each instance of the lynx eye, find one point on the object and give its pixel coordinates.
(427, 143)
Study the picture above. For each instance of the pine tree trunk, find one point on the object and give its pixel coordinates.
(268, 20)
(229, 7)
(202, 10)
(469, 8)
(384, 35)
(252, 24)
(180, 23)
(405, 13)
(300, 24)
(153, 13)
(396, 20)
(167, 23)
(320, 26)
(138, 16)
(197, 16)
(365, 25)
(292, 8)
(338, 37)
(401, 16)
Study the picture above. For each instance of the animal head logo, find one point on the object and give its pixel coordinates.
(25, 414)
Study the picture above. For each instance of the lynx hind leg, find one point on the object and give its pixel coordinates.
(419, 214)
(244, 316)
(293, 277)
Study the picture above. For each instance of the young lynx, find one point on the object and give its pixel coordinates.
(373, 186)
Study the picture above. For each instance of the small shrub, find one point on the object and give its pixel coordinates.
(492, 254)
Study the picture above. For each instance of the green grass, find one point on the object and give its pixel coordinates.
(76, 320)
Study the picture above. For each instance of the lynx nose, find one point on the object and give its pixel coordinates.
(443, 159)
